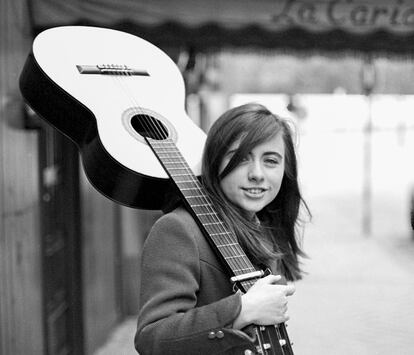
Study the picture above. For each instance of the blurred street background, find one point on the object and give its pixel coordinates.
(358, 295)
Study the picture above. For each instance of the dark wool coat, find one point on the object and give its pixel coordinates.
(187, 302)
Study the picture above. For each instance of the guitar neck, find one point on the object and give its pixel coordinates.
(202, 208)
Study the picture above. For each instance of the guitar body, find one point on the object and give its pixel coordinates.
(103, 110)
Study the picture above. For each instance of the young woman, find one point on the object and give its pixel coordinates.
(188, 305)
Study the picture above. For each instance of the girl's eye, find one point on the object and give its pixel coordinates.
(272, 162)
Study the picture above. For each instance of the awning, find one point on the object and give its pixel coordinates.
(362, 26)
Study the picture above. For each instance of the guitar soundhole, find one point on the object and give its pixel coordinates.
(150, 127)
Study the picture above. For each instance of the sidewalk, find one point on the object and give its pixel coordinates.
(121, 341)
(358, 297)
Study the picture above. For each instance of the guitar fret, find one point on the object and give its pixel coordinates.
(160, 144)
(176, 163)
(212, 223)
(244, 269)
(173, 160)
(186, 181)
(234, 257)
(175, 167)
(199, 196)
(207, 214)
(227, 244)
(220, 233)
(169, 152)
(179, 168)
(200, 205)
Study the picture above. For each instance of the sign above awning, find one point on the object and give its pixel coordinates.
(367, 26)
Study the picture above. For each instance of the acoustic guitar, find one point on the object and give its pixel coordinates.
(121, 100)
(98, 86)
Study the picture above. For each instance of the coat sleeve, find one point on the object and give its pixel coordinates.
(169, 321)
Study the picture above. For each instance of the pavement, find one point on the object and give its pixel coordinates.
(358, 295)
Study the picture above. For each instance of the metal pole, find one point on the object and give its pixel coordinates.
(367, 187)
(368, 81)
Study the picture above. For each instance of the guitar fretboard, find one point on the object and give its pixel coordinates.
(202, 206)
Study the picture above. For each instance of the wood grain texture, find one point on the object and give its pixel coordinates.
(20, 286)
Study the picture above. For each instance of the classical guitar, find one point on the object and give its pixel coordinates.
(120, 99)
(96, 85)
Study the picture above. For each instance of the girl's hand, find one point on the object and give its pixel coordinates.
(265, 303)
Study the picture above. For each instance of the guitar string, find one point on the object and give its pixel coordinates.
(153, 126)
(279, 341)
(260, 340)
(280, 337)
(285, 336)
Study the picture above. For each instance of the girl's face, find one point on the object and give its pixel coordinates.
(256, 181)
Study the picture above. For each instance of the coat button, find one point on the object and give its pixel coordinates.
(219, 334)
(211, 335)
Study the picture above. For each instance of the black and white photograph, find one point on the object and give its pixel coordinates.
(201, 177)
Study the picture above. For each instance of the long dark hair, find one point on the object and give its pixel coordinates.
(254, 124)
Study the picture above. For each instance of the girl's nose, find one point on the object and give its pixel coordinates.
(255, 172)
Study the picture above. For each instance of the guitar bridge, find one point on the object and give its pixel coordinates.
(111, 69)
